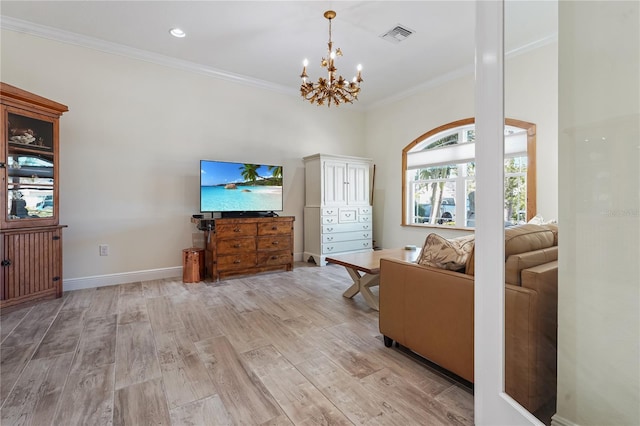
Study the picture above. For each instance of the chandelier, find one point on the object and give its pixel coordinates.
(332, 90)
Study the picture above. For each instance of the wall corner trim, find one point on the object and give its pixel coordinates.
(70, 284)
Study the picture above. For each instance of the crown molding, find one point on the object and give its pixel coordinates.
(68, 37)
(460, 72)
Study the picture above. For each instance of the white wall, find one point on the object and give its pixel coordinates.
(530, 95)
(131, 143)
(599, 273)
(132, 140)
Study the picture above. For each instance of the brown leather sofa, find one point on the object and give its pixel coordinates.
(430, 311)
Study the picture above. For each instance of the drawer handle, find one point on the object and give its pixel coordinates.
(329, 211)
(6, 262)
(236, 246)
(347, 214)
(274, 227)
(329, 248)
(274, 257)
(365, 226)
(330, 220)
(365, 244)
(275, 243)
(236, 261)
(365, 235)
(329, 229)
(329, 238)
(236, 230)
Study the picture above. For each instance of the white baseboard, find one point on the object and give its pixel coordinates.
(70, 284)
(557, 420)
(121, 278)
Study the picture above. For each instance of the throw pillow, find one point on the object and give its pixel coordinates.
(442, 253)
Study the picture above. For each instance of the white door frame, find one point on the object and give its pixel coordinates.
(492, 405)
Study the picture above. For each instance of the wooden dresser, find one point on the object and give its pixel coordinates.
(248, 246)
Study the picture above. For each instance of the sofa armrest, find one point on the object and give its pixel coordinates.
(521, 328)
(516, 263)
(530, 353)
(430, 311)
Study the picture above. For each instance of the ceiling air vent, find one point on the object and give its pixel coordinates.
(397, 34)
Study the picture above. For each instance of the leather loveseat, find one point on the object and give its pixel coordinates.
(429, 310)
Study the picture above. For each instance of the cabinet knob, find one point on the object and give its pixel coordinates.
(275, 243)
(5, 262)
(236, 261)
(236, 246)
(274, 228)
(236, 230)
(274, 257)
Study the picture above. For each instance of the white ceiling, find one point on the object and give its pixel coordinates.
(264, 42)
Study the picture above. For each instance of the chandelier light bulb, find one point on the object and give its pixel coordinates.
(332, 55)
(359, 67)
(305, 62)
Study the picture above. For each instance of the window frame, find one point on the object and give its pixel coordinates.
(530, 129)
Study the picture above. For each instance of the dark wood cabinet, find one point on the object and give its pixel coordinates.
(248, 246)
(31, 237)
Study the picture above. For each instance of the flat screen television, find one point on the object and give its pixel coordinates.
(240, 189)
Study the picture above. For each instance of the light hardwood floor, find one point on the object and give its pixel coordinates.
(281, 348)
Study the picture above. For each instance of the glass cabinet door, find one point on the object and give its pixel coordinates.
(30, 168)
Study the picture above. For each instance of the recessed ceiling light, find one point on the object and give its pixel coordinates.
(177, 32)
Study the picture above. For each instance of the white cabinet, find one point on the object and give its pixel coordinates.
(337, 215)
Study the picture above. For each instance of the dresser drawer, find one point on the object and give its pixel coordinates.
(346, 227)
(346, 246)
(329, 220)
(348, 215)
(274, 258)
(329, 211)
(236, 245)
(346, 236)
(275, 228)
(230, 230)
(237, 261)
(274, 243)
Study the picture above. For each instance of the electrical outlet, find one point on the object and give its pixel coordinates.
(104, 249)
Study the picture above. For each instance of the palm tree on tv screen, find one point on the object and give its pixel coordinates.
(276, 173)
(250, 172)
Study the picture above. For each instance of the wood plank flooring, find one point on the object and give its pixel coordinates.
(279, 349)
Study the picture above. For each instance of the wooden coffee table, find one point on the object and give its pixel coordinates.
(364, 269)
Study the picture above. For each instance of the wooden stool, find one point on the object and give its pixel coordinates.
(192, 265)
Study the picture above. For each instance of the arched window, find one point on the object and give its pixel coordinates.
(438, 175)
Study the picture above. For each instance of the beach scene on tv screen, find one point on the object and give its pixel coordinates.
(240, 187)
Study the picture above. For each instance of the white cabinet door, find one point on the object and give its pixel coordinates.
(346, 184)
(334, 183)
(358, 184)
